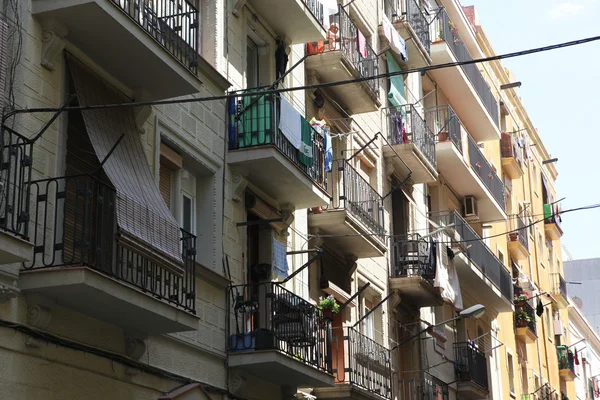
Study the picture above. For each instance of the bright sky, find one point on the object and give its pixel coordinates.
(560, 91)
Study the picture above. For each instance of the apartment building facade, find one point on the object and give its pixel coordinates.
(187, 249)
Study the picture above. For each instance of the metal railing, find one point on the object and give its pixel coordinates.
(421, 386)
(486, 173)
(406, 125)
(15, 177)
(411, 257)
(352, 192)
(255, 122)
(518, 231)
(470, 364)
(510, 149)
(367, 364)
(346, 40)
(174, 24)
(478, 252)
(559, 285)
(445, 125)
(316, 9)
(566, 358)
(551, 215)
(525, 316)
(419, 23)
(74, 224)
(449, 33)
(266, 316)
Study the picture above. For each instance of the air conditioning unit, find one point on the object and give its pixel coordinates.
(558, 327)
(470, 211)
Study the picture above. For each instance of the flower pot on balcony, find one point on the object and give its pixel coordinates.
(328, 315)
(443, 137)
(514, 236)
(521, 323)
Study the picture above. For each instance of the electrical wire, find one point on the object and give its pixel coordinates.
(589, 207)
(313, 86)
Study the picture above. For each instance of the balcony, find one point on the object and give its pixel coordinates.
(259, 150)
(134, 42)
(299, 21)
(356, 210)
(471, 371)
(463, 165)
(278, 336)
(362, 368)
(411, 21)
(566, 363)
(82, 261)
(552, 222)
(512, 156)
(518, 242)
(477, 266)
(558, 288)
(411, 139)
(412, 272)
(339, 58)
(422, 386)
(525, 323)
(15, 177)
(474, 102)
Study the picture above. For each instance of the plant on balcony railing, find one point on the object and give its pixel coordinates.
(15, 176)
(266, 316)
(518, 231)
(523, 319)
(445, 125)
(255, 123)
(329, 306)
(519, 299)
(74, 224)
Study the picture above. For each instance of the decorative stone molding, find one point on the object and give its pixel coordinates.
(237, 7)
(53, 42)
(8, 292)
(238, 186)
(135, 347)
(39, 316)
(389, 170)
(141, 113)
(236, 382)
(395, 301)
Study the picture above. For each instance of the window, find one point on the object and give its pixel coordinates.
(252, 64)
(511, 372)
(187, 201)
(369, 323)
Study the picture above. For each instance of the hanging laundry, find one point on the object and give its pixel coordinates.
(539, 310)
(397, 128)
(328, 150)
(397, 44)
(576, 357)
(432, 264)
(290, 123)
(280, 264)
(362, 44)
(281, 58)
(306, 151)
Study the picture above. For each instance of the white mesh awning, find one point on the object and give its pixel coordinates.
(145, 223)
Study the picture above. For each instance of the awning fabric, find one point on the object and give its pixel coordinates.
(397, 93)
(145, 223)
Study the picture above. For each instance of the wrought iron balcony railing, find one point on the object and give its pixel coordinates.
(15, 177)
(525, 315)
(267, 316)
(414, 14)
(74, 224)
(406, 125)
(421, 386)
(559, 285)
(470, 364)
(449, 33)
(445, 125)
(486, 173)
(509, 148)
(174, 24)
(255, 123)
(518, 231)
(411, 257)
(478, 252)
(566, 358)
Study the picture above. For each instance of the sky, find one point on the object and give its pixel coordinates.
(560, 90)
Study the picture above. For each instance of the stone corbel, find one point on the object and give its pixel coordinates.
(316, 241)
(238, 186)
(135, 348)
(237, 7)
(53, 42)
(236, 382)
(395, 301)
(389, 170)
(141, 113)
(351, 259)
(40, 317)
(8, 292)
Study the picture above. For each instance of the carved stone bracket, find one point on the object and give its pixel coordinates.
(38, 316)
(8, 292)
(236, 382)
(53, 42)
(389, 169)
(134, 348)
(237, 7)
(238, 186)
(141, 113)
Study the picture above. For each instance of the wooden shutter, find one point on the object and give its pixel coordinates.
(165, 183)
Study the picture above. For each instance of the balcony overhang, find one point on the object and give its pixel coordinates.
(561, 302)
(469, 390)
(14, 249)
(346, 391)
(120, 46)
(553, 231)
(474, 282)
(275, 174)
(359, 241)
(332, 66)
(526, 335)
(291, 19)
(517, 250)
(100, 296)
(465, 182)
(422, 170)
(462, 95)
(416, 290)
(511, 167)
(279, 368)
(567, 375)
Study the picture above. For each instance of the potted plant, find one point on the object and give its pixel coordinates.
(514, 236)
(328, 306)
(523, 319)
(520, 299)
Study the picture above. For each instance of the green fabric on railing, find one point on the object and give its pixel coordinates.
(306, 154)
(547, 211)
(256, 122)
(397, 93)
